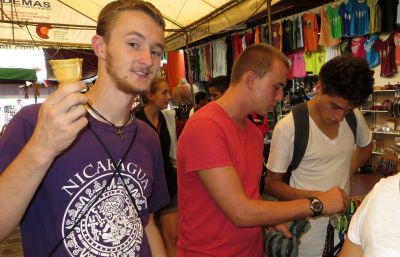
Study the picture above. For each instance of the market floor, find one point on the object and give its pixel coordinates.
(11, 247)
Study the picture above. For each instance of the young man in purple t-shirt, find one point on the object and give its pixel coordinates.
(79, 173)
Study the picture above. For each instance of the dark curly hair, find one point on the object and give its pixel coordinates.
(348, 77)
(199, 96)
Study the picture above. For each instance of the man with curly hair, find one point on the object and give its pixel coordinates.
(333, 151)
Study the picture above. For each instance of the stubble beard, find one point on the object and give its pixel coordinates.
(123, 83)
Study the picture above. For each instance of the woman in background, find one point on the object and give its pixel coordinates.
(155, 114)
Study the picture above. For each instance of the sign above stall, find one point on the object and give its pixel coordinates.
(46, 22)
(8, 46)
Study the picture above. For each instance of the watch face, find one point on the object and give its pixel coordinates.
(316, 205)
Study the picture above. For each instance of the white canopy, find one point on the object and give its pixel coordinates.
(72, 22)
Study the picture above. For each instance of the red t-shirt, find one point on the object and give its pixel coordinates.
(210, 139)
(397, 47)
(357, 47)
(237, 45)
(386, 51)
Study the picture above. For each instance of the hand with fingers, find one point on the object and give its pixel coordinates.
(61, 117)
(283, 228)
(335, 201)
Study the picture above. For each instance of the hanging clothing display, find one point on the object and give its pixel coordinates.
(310, 31)
(344, 28)
(219, 58)
(299, 65)
(276, 37)
(287, 36)
(397, 47)
(246, 40)
(202, 63)
(298, 32)
(346, 19)
(229, 55)
(386, 51)
(331, 52)
(243, 37)
(345, 46)
(325, 38)
(359, 17)
(374, 16)
(314, 60)
(197, 65)
(264, 35)
(208, 61)
(398, 14)
(357, 47)
(291, 66)
(257, 35)
(371, 55)
(335, 21)
(237, 45)
(389, 15)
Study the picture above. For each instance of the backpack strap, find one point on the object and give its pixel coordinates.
(301, 131)
(352, 121)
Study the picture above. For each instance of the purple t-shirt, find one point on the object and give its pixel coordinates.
(111, 225)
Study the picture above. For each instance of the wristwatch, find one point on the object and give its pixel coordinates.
(316, 206)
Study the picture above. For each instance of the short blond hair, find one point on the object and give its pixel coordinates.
(257, 58)
(112, 10)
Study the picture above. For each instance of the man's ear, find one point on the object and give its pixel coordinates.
(149, 96)
(249, 78)
(318, 87)
(99, 46)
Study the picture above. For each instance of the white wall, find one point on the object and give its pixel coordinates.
(379, 81)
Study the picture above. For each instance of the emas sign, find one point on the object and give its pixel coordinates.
(27, 3)
(50, 23)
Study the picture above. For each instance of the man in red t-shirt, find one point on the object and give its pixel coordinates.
(219, 161)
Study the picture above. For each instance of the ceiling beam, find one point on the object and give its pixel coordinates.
(70, 26)
(173, 22)
(206, 18)
(46, 44)
(76, 10)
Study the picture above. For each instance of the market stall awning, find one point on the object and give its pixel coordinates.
(73, 22)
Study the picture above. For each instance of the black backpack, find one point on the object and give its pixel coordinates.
(301, 132)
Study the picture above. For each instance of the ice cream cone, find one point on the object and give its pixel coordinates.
(67, 70)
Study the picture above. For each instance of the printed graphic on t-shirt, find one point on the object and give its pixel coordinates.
(104, 223)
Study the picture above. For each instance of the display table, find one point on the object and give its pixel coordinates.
(361, 184)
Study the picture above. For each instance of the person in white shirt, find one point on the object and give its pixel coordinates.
(344, 83)
(374, 228)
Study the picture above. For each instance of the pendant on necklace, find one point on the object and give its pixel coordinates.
(120, 133)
